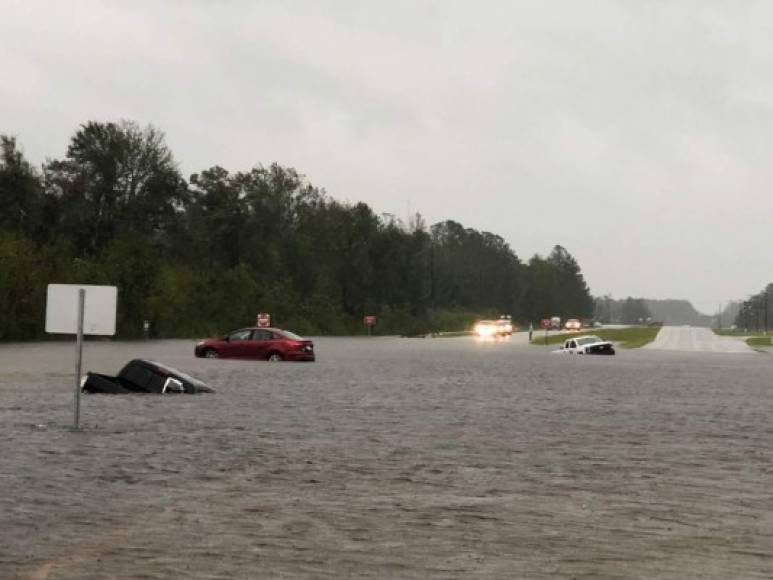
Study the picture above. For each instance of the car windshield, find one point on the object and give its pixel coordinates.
(588, 340)
(292, 335)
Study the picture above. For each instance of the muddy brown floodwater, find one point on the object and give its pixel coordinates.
(390, 458)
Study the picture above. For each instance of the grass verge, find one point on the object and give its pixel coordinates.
(734, 332)
(756, 341)
(632, 337)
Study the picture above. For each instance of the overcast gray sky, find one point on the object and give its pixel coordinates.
(636, 134)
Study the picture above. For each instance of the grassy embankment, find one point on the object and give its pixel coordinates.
(755, 338)
(735, 332)
(632, 337)
(756, 341)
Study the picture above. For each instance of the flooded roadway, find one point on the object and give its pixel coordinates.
(391, 458)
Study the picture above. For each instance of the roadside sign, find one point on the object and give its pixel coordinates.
(78, 309)
(370, 322)
(98, 312)
(264, 320)
(546, 323)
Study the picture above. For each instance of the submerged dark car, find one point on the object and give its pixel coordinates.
(144, 376)
(273, 344)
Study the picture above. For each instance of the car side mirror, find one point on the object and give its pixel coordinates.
(172, 386)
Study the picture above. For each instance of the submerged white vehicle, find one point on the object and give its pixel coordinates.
(586, 345)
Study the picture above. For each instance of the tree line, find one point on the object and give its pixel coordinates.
(625, 311)
(202, 255)
(756, 312)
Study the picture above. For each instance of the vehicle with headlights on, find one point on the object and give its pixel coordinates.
(506, 326)
(586, 345)
(493, 328)
(255, 343)
(573, 325)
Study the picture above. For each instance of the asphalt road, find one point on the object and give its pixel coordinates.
(695, 339)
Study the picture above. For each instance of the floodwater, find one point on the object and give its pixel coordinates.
(391, 458)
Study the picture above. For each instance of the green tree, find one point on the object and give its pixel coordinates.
(25, 271)
(116, 178)
(572, 295)
(196, 259)
(634, 311)
(21, 192)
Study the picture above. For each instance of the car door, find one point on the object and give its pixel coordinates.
(260, 343)
(237, 344)
(572, 347)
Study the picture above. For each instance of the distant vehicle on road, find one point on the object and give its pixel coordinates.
(555, 323)
(254, 343)
(586, 345)
(493, 328)
(505, 324)
(573, 324)
(144, 376)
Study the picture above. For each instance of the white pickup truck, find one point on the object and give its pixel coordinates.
(586, 345)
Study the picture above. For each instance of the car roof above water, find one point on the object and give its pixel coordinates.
(162, 368)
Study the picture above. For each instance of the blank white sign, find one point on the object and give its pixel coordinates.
(98, 310)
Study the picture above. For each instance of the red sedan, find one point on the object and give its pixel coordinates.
(271, 344)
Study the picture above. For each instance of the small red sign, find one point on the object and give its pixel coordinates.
(370, 321)
(264, 320)
(546, 323)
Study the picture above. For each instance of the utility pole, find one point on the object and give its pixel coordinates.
(760, 314)
(432, 272)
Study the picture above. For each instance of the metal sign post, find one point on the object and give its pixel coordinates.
(546, 323)
(79, 356)
(69, 312)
